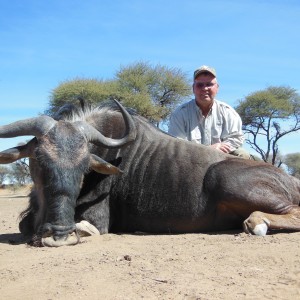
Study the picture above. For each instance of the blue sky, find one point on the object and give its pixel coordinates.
(252, 45)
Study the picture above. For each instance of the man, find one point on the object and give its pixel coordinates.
(207, 121)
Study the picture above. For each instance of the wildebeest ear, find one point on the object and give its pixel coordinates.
(101, 166)
(11, 155)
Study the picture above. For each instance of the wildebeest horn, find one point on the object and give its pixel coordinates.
(96, 137)
(35, 126)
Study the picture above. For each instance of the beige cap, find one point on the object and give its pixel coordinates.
(204, 69)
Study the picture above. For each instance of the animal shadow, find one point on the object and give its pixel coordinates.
(13, 239)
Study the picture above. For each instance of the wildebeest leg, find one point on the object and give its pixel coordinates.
(259, 223)
(96, 217)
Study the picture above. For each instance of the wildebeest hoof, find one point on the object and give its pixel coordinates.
(256, 224)
(84, 228)
(260, 229)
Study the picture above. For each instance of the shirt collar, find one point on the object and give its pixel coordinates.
(199, 110)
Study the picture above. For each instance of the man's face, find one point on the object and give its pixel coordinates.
(205, 89)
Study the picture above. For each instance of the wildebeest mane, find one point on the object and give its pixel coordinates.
(71, 112)
(86, 110)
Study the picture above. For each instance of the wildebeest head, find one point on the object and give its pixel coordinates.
(59, 157)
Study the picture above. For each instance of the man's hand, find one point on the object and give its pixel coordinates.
(222, 147)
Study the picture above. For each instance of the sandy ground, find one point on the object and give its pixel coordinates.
(231, 265)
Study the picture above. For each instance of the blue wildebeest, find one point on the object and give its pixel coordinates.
(164, 184)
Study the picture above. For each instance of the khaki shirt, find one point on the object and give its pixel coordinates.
(222, 124)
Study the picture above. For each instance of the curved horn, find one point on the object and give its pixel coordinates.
(35, 126)
(95, 137)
